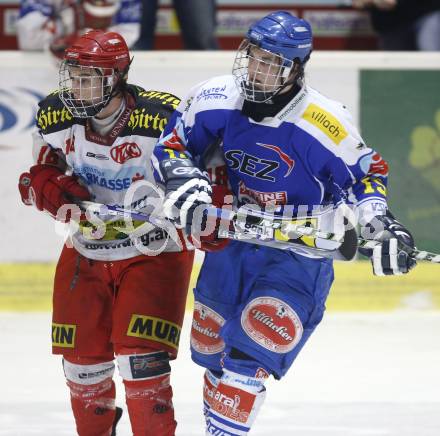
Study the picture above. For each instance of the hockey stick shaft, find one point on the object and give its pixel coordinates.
(243, 236)
(249, 237)
(300, 231)
(104, 209)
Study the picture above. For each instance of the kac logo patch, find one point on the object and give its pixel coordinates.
(124, 152)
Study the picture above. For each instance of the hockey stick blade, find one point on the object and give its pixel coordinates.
(413, 252)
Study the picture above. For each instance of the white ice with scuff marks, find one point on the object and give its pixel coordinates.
(360, 375)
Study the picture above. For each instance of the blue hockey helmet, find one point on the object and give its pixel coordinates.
(284, 34)
(284, 37)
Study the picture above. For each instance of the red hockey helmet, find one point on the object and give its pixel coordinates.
(94, 69)
(101, 49)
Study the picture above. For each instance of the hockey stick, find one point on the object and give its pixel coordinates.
(262, 232)
(254, 234)
(297, 231)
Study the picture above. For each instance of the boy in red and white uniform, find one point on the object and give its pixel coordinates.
(94, 140)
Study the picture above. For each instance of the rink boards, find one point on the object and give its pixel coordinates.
(28, 287)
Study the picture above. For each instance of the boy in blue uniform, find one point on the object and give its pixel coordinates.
(272, 140)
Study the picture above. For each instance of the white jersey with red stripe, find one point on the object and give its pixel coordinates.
(110, 166)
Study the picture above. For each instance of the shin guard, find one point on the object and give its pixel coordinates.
(211, 379)
(148, 393)
(92, 395)
(234, 404)
(150, 407)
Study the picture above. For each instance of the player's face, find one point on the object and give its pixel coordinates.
(85, 90)
(87, 84)
(264, 69)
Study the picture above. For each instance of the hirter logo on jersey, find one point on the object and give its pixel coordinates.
(205, 331)
(272, 323)
(124, 152)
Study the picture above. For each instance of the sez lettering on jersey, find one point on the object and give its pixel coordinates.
(251, 165)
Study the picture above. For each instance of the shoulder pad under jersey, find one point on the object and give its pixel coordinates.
(151, 113)
(52, 115)
(331, 124)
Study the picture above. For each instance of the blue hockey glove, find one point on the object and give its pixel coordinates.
(392, 257)
(186, 188)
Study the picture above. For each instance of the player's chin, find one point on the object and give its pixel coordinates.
(258, 86)
(86, 101)
(264, 88)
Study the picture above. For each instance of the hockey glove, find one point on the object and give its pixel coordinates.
(48, 188)
(209, 226)
(186, 188)
(392, 257)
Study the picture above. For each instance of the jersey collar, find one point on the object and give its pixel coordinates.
(120, 124)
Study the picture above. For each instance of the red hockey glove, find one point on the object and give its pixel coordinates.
(48, 188)
(212, 242)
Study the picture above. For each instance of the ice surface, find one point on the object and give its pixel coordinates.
(361, 374)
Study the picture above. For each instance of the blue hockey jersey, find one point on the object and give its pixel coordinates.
(310, 153)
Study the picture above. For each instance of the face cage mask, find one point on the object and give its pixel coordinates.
(265, 79)
(85, 90)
